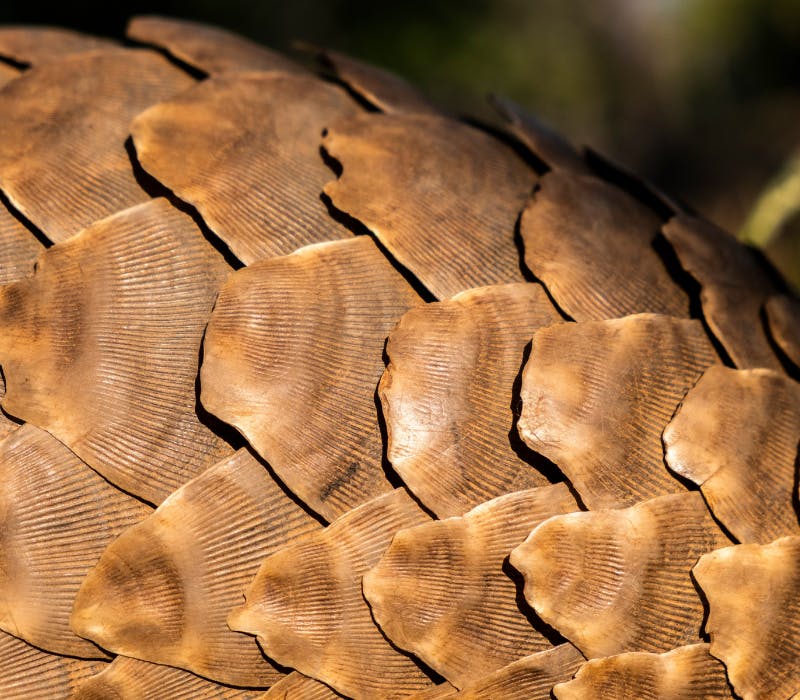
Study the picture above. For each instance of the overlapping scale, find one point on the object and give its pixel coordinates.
(591, 245)
(100, 347)
(613, 581)
(447, 395)
(296, 686)
(163, 590)
(307, 608)
(19, 247)
(28, 673)
(685, 673)
(63, 161)
(58, 515)
(596, 397)
(8, 73)
(207, 48)
(753, 593)
(395, 168)
(131, 679)
(293, 353)
(545, 143)
(32, 45)
(734, 286)
(443, 590)
(783, 317)
(736, 436)
(385, 90)
(243, 148)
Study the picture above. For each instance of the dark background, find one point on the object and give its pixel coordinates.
(701, 96)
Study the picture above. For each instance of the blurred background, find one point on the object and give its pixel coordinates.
(700, 96)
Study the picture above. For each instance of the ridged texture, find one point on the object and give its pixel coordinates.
(597, 395)
(293, 353)
(385, 90)
(530, 678)
(209, 49)
(131, 679)
(19, 248)
(783, 316)
(7, 424)
(306, 605)
(32, 45)
(8, 73)
(296, 686)
(733, 284)
(163, 590)
(244, 150)
(63, 163)
(618, 580)
(686, 673)
(736, 436)
(447, 395)
(591, 245)
(443, 592)
(27, 673)
(57, 517)
(100, 347)
(753, 594)
(394, 171)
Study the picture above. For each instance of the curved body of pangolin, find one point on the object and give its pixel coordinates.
(312, 390)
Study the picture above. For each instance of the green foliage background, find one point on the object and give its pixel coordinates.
(701, 96)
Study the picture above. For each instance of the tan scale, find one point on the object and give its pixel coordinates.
(28, 673)
(32, 45)
(292, 356)
(63, 162)
(733, 288)
(296, 686)
(685, 673)
(8, 73)
(100, 347)
(207, 48)
(545, 143)
(163, 590)
(442, 590)
(612, 581)
(308, 611)
(58, 515)
(394, 170)
(596, 397)
(447, 395)
(131, 679)
(753, 594)
(591, 245)
(783, 317)
(736, 436)
(19, 247)
(243, 148)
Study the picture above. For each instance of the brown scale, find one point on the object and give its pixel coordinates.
(753, 593)
(591, 245)
(308, 611)
(162, 591)
(207, 48)
(32, 45)
(8, 73)
(447, 395)
(395, 168)
(597, 395)
(19, 248)
(685, 673)
(783, 317)
(442, 591)
(63, 162)
(736, 436)
(618, 580)
(100, 347)
(132, 679)
(292, 356)
(296, 686)
(58, 517)
(28, 673)
(733, 284)
(244, 149)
